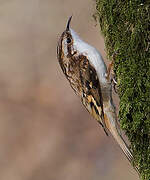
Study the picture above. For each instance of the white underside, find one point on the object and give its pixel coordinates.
(96, 60)
(93, 56)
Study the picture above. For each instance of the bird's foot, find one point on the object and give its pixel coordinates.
(114, 83)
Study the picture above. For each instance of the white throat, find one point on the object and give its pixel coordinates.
(92, 54)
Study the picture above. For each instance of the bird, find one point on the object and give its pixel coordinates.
(89, 77)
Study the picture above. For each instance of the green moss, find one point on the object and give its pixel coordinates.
(126, 28)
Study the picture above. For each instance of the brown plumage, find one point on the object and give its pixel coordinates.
(83, 79)
(88, 76)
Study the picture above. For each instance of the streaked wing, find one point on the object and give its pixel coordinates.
(91, 91)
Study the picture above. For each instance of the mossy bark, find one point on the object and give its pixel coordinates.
(126, 28)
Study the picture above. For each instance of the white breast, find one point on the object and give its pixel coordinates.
(93, 56)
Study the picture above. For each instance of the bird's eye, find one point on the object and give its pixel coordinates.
(68, 40)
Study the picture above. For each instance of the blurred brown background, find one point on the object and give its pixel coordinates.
(45, 133)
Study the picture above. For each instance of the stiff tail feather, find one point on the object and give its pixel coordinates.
(122, 143)
(111, 123)
(124, 147)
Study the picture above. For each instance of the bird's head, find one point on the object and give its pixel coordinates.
(71, 49)
(66, 47)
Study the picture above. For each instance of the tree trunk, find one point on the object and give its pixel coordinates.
(126, 29)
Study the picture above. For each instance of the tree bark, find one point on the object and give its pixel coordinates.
(126, 29)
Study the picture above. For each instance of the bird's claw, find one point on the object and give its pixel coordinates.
(114, 84)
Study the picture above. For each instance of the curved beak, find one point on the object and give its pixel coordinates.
(68, 24)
